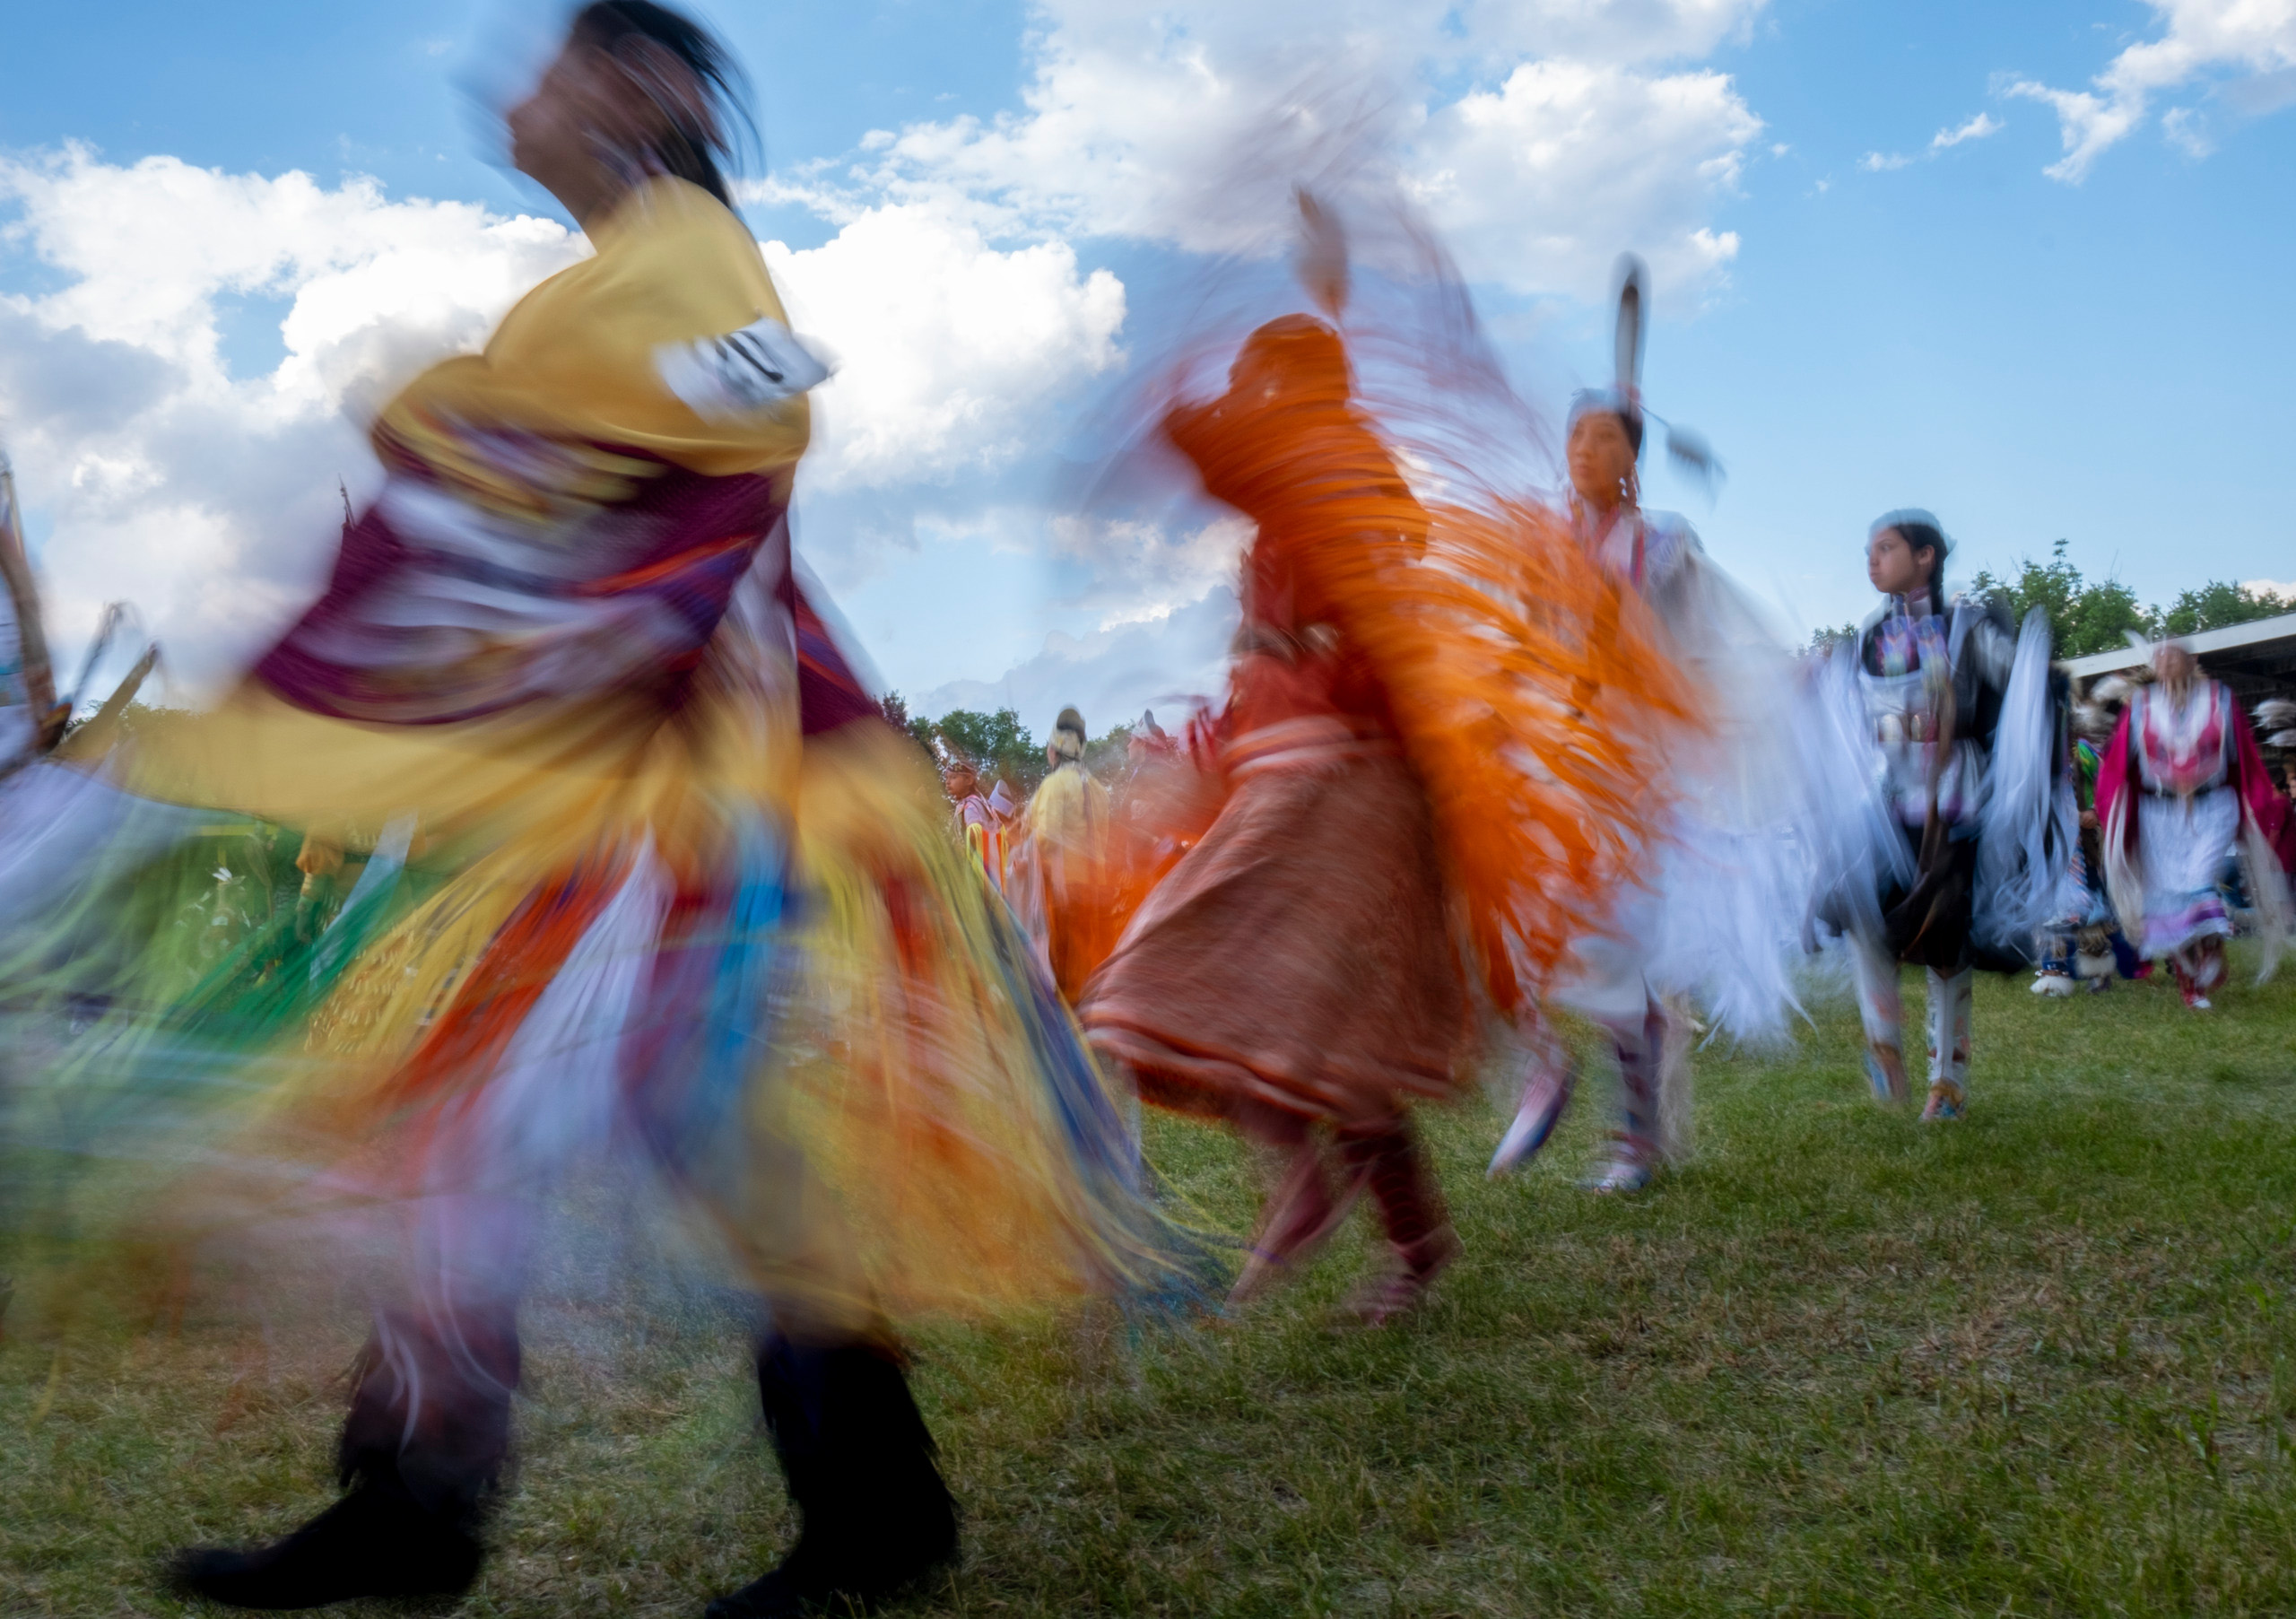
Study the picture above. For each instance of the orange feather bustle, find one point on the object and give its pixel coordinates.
(1528, 691)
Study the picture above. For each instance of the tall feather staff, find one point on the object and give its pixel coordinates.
(1688, 449)
(38, 674)
(1633, 327)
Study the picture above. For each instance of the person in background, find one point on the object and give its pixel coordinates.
(2182, 784)
(1955, 714)
(1059, 872)
(2082, 944)
(980, 827)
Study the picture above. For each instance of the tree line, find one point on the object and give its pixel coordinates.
(999, 745)
(2088, 615)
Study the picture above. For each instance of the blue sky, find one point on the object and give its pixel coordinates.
(1858, 313)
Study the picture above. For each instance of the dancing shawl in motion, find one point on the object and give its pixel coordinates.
(1428, 772)
(621, 861)
(1471, 653)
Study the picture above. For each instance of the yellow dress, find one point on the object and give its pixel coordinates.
(627, 862)
(1061, 888)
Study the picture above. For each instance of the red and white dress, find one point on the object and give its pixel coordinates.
(2183, 789)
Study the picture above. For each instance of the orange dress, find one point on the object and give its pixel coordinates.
(1299, 955)
(1439, 729)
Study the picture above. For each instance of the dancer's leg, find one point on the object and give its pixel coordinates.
(2199, 967)
(1550, 1077)
(1300, 1212)
(1882, 1011)
(874, 1511)
(1385, 1154)
(426, 1436)
(1949, 1043)
(1639, 1041)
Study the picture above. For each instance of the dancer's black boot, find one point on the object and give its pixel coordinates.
(428, 1431)
(874, 1512)
(377, 1541)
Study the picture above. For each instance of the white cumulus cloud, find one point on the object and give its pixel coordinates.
(1983, 125)
(1537, 183)
(951, 353)
(1541, 138)
(1111, 673)
(207, 496)
(1976, 129)
(2249, 44)
(208, 493)
(1138, 570)
(2185, 130)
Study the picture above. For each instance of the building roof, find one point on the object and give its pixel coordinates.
(2256, 659)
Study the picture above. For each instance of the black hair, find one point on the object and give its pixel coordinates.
(1928, 537)
(690, 153)
(1920, 532)
(1611, 402)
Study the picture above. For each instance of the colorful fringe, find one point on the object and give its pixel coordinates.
(837, 1048)
(1529, 691)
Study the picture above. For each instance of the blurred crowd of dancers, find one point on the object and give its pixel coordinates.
(561, 833)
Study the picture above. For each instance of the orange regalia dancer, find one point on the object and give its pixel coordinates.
(629, 868)
(1427, 775)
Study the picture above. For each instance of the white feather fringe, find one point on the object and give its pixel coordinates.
(2026, 827)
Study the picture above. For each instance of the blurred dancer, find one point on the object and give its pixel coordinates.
(1644, 550)
(1953, 707)
(1295, 969)
(2182, 783)
(1059, 877)
(980, 827)
(1701, 914)
(646, 875)
(1379, 772)
(2083, 942)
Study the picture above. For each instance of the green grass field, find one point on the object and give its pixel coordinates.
(2042, 1361)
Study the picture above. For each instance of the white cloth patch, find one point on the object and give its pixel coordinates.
(724, 379)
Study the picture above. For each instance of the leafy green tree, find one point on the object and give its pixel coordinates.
(895, 707)
(1106, 755)
(2083, 616)
(2087, 615)
(2100, 620)
(2219, 604)
(999, 743)
(1822, 639)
